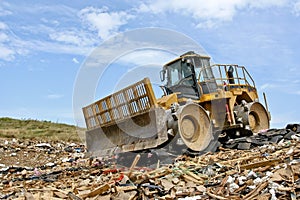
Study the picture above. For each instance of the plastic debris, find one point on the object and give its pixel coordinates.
(43, 145)
(59, 170)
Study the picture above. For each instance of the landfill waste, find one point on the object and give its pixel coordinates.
(263, 166)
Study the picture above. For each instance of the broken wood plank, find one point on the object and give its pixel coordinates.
(60, 194)
(28, 196)
(199, 177)
(240, 159)
(216, 196)
(221, 186)
(260, 164)
(100, 190)
(161, 173)
(72, 196)
(135, 161)
(190, 178)
(255, 191)
(166, 184)
(125, 188)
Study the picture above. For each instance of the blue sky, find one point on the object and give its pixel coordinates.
(43, 46)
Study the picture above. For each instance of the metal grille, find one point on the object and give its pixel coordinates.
(133, 100)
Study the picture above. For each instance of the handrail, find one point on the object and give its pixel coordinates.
(223, 77)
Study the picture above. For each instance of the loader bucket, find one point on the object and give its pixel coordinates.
(194, 126)
(128, 120)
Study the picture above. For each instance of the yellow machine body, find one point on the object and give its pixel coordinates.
(199, 101)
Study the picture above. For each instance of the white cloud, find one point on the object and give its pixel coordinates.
(145, 57)
(296, 9)
(297, 92)
(10, 45)
(197, 9)
(75, 60)
(206, 24)
(3, 37)
(3, 26)
(266, 3)
(104, 22)
(5, 12)
(6, 53)
(75, 37)
(207, 13)
(266, 86)
(72, 41)
(54, 96)
(62, 42)
(39, 9)
(53, 47)
(51, 22)
(66, 37)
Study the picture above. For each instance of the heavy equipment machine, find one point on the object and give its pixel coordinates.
(201, 103)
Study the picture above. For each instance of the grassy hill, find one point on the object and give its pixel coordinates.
(35, 129)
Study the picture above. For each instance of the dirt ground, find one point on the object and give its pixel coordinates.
(34, 169)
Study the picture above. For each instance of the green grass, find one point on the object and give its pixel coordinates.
(35, 129)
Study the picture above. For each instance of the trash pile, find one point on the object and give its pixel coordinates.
(265, 166)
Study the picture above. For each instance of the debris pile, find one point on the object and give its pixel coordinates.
(268, 169)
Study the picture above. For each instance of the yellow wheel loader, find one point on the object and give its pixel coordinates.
(201, 103)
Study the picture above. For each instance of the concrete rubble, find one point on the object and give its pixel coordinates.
(263, 166)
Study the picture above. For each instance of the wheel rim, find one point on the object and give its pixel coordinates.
(189, 128)
(253, 121)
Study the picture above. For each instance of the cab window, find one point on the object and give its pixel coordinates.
(174, 73)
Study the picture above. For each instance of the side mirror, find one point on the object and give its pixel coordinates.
(162, 75)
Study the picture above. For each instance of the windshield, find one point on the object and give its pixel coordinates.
(202, 64)
(174, 73)
(179, 70)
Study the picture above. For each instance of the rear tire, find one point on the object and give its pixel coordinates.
(258, 118)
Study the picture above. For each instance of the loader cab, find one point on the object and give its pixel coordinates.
(183, 76)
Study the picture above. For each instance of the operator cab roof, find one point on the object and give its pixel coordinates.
(186, 55)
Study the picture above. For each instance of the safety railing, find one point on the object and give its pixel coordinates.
(226, 75)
